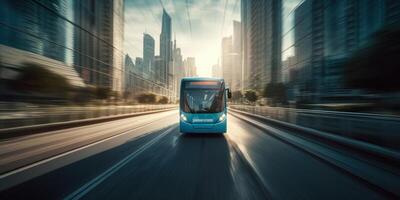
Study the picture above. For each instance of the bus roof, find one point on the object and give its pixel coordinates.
(201, 79)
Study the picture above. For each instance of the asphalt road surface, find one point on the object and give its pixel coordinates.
(146, 157)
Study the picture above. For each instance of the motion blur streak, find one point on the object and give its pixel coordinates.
(307, 104)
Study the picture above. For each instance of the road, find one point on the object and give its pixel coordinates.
(146, 157)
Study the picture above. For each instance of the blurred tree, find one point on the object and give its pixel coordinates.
(147, 98)
(163, 100)
(376, 67)
(251, 95)
(36, 79)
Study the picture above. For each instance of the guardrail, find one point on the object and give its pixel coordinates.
(28, 116)
(382, 130)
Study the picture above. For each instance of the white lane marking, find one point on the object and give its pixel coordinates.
(83, 190)
(10, 173)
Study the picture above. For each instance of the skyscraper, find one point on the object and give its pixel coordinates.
(326, 35)
(237, 75)
(139, 66)
(178, 67)
(216, 71)
(165, 48)
(190, 67)
(148, 56)
(245, 34)
(227, 60)
(99, 41)
(265, 44)
(129, 74)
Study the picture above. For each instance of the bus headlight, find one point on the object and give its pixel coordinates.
(183, 117)
(222, 117)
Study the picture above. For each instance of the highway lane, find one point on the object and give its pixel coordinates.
(245, 163)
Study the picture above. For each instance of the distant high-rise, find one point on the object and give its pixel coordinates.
(129, 74)
(148, 56)
(178, 67)
(139, 66)
(226, 60)
(157, 66)
(190, 67)
(245, 34)
(326, 35)
(165, 48)
(237, 75)
(265, 42)
(216, 71)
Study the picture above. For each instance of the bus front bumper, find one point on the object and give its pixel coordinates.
(219, 127)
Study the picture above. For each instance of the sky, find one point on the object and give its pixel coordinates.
(199, 26)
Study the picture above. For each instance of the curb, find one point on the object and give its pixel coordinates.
(382, 154)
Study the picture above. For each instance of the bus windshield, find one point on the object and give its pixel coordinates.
(203, 97)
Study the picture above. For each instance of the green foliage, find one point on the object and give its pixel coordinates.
(251, 95)
(147, 98)
(376, 67)
(163, 100)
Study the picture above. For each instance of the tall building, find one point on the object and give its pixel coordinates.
(157, 66)
(231, 58)
(326, 34)
(139, 66)
(178, 67)
(190, 67)
(216, 71)
(392, 13)
(238, 71)
(129, 74)
(38, 33)
(165, 47)
(98, 39)
(148, 56)
(245, 34)
(265, 42)
(227, 60)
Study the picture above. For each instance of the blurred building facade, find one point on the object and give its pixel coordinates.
(179, 69)
(231, 59)
(165, 47)
(216, 71)
(264, 20)
(245, 33)
(84, 35)
(148, 56)
(129, 74)
(238, 71)
(99, 39)
(139, 69)
(227, 60)
(189, 65)
(322, 37)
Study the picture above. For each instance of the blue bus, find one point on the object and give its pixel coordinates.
(203, 105)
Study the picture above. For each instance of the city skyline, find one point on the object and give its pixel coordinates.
(200, 38)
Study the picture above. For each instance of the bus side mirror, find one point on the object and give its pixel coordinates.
(229, 93)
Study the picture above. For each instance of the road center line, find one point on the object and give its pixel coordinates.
(83, 190)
